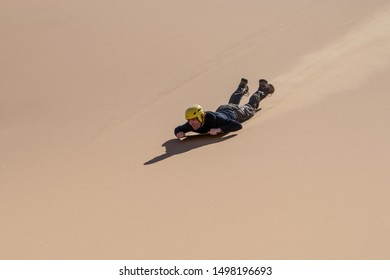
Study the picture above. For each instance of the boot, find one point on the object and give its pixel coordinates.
(242, 90)
(265, 87)
(243, 87)
(264, 90)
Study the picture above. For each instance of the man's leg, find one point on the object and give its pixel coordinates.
(245, 112)
(261, 93)
(242, 89)
(248, 110)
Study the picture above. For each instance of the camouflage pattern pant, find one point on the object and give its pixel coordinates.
(238, 112)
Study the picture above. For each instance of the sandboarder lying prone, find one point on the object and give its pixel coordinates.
(227, 117)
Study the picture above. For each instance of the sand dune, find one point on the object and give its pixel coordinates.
(92, 90)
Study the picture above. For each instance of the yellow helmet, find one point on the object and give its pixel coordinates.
(195, 111)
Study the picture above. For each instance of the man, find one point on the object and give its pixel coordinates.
(228, 117)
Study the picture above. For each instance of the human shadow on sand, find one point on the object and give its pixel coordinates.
(176, 146)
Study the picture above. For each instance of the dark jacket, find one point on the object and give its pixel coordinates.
(212, 120)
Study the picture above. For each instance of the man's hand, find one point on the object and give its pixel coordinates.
(215, 131)
(180, 135)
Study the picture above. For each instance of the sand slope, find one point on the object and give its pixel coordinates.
(91, 92)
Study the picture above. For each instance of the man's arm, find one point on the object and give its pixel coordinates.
(220, 123)
(181, 130)
(226, 124)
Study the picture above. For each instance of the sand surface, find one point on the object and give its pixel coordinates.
(90, 92)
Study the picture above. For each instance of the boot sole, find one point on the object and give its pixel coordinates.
(272, 89)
